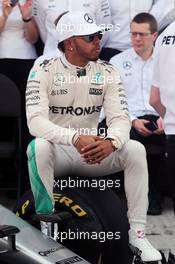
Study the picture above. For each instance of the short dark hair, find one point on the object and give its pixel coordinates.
(146, 18)
(60, 44)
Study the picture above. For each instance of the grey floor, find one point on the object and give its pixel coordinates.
(161, 229)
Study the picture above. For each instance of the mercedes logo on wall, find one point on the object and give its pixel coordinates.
(88, 18)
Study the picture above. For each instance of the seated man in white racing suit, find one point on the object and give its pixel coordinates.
(64, 97)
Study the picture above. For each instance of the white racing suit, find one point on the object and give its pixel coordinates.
(59, 104)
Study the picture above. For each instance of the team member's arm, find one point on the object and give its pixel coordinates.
(5, 10)
(37, 107)
(155, 101)
(118, 121)
(116, 109)
(31, 30)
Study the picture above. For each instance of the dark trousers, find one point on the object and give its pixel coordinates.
(156, 161)
(18, 70)
(170, 149)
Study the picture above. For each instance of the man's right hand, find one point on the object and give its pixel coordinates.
(139, 125)
(85, 140)
(6, 8)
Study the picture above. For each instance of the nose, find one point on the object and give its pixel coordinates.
(138, 36)
(96, 40)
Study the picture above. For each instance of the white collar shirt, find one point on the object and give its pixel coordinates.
(13, 43)
(136, 75)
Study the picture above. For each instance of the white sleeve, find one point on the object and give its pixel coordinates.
(37, 109)
(117, 61)
(155, 80)
(102, 115)
(116, 110)
(0, 7)
(164, 12)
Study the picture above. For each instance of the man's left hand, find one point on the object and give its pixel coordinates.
(97, 151)
(160, 125)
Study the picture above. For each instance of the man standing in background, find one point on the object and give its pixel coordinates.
(163, 95)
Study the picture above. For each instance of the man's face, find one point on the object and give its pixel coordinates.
(141, 37)
(87, 50)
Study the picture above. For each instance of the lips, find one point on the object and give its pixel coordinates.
(97, 49)
(138, 46)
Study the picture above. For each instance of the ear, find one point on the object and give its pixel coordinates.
(155, 34)
(69, 44)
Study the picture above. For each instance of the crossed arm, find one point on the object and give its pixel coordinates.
(93, 148)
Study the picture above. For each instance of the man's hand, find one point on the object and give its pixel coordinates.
(160, 126)
(6, 8)
(26, 9)
(84, 140)
(97, 151)
(139, 125)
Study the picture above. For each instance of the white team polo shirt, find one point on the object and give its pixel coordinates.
(136, 75)
(122, 12)
(13, 43)
(164, 75)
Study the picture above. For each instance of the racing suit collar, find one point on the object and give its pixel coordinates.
(71, 67)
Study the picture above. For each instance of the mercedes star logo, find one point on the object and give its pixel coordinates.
(127, 65)
(88, 18)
